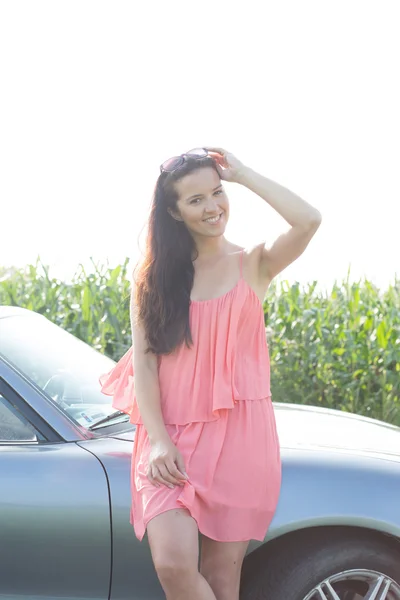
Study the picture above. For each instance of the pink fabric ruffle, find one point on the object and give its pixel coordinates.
(119, 383)
(229, 361)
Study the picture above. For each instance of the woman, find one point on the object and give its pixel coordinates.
(206, 454)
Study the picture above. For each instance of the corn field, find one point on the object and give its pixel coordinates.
(338, 350)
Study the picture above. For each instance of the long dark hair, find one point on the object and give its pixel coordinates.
(164, 278)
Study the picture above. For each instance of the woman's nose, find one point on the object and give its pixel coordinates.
(211, 205)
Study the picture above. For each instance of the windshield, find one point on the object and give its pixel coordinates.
(64, 367)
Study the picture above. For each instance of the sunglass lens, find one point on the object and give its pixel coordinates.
(198, 152)
(172, 163)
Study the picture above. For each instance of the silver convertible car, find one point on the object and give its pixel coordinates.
(65, 458)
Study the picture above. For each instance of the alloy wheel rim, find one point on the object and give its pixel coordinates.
(356, 584)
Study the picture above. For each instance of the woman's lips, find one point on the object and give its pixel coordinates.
(213, 220)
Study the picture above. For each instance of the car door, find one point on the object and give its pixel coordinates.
(55, 532)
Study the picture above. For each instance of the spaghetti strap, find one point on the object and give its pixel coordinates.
(241, 263)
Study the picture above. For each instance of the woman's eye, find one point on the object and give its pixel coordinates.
(195, 201)
(218, 192)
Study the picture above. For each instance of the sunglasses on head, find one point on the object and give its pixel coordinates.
(172, 164)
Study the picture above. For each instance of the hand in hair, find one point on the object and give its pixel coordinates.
(229, 167)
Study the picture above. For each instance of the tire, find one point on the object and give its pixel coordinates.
(289, 569)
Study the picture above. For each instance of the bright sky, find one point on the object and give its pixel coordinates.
(95, 95)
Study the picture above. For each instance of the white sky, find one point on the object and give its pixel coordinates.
(95, 95)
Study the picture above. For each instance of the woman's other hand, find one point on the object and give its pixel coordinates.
(166, 465)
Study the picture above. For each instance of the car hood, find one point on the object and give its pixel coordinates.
(322, 428)
(333, 429)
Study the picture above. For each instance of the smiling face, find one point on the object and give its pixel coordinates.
(202, 203)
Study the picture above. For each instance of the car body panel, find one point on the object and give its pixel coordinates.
(324, 488)
(54, 522)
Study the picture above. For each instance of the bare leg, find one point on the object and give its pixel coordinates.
(174, 545)
(221, 565)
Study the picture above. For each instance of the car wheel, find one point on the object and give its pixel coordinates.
(324, 565)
